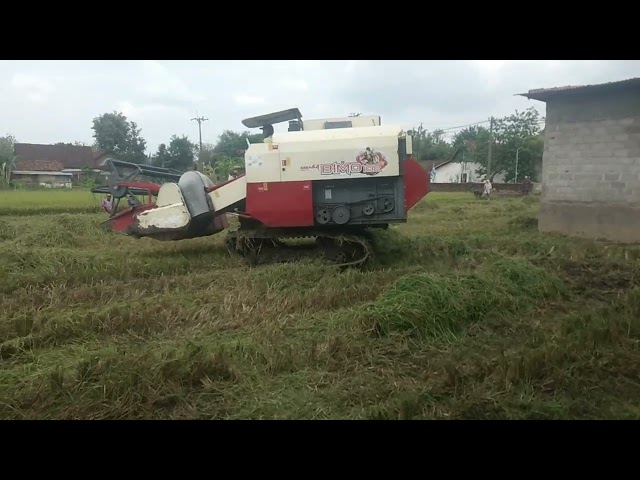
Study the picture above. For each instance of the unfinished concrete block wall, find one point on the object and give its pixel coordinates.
(591, 167)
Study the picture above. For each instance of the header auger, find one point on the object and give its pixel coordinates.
(326, 180)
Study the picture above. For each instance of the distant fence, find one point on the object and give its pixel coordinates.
(467, 187)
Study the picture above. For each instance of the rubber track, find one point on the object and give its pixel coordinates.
(264, 246)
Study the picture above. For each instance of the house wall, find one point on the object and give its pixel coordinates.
(51, 181)
(591, 167)
(452, 172)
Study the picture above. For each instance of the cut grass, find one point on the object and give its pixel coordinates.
(468, 312)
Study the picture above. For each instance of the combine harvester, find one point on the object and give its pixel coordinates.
(330, 180)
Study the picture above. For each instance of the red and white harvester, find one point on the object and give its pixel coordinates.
(330, 180)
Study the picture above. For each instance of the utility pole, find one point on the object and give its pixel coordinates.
(199, 120)
(490, 143)
(517, 152)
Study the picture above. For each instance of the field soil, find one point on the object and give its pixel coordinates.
(467, 312)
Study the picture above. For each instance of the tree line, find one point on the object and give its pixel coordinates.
(519, 133)
(115, 133)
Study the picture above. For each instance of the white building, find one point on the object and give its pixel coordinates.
(460, 172)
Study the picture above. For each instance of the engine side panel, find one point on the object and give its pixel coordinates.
(281, 204)
(360, 201)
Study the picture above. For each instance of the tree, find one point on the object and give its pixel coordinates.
(233, 145)
(114, 133)
(161, 158)
(7, 158)
(430, 145)
(517, 131)
(74, 144)
(474, 144)
(207, 155)
(180, 153)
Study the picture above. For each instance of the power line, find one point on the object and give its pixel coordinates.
(463, 126)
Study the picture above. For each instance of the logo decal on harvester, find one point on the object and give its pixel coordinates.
(368, 162)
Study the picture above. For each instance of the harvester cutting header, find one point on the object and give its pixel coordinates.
(329, 179)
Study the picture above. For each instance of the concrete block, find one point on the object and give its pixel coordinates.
(618, 185)
(588, 177)
(565, 176)
(626, 121)
(600, 147)
(621, 137)
(612, 177)
(623, 152)
(633, 184)
(560, 183)
(615, 145)
(630, 161)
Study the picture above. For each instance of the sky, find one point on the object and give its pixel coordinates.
(51, 101)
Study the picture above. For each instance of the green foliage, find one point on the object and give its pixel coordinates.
(74, 144)
(7, 158)
(430, 145)
(180, 153)
(206, 156)
(518, 131)
(229, 150)
(233, 144)
(114, 133)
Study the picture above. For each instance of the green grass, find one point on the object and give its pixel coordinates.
(41, 202)
(468, 312)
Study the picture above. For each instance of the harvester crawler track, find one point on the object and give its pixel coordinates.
(268, 246)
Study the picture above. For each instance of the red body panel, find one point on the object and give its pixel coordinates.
(122, 220)
(416, 183)
(281, 204)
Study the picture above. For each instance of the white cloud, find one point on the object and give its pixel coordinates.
(249, 100)
(162, 96)
(36, 88)
(295, 84)
(158, 81)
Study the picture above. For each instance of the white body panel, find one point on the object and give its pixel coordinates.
(170, 212)
(229, 194)
(325, 155)
(361, 121)
(262, 163)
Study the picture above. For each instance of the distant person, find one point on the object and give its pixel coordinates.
(487, 188)
(527, 185)
(106, 204)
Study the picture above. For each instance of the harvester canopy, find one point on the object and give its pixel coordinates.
(272, 118)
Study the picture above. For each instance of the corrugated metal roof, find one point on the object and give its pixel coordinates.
(544, 94)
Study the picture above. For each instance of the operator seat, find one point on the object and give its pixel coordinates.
(267, 131)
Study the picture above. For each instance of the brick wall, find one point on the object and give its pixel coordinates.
(592, 150)
(592, 159)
